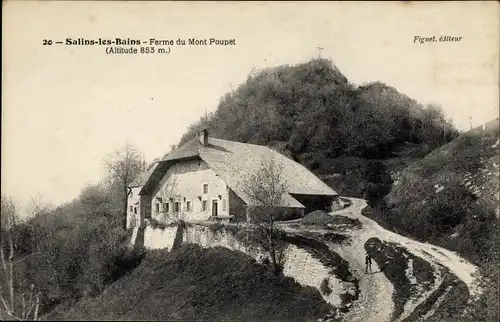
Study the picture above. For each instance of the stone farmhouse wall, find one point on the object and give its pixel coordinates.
(184, 184)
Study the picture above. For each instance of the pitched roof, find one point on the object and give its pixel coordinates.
(235, 162)
(141, 179)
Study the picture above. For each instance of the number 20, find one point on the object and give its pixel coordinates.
(47, 42)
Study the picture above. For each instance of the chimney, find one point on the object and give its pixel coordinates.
(203, 137)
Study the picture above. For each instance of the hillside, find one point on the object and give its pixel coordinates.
(469, 161)
(312, 113)
(451, 198)
(453, 189)
(203, 284)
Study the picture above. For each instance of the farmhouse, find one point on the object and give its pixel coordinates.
(205, 178)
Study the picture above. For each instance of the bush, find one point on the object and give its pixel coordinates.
(378, 182)
(156, 223)
(317, 217)
(78, 261)
(320, 218)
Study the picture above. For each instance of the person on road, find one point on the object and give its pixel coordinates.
(368, 263)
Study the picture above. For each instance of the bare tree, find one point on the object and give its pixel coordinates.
(9, 308)
(9, 213)
(37, 206)
(124, 165)
(38, 211)
(266, 189)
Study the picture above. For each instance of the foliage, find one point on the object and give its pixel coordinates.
(378, 181)
(124, 165)
(229, 286)
(266, 189)
(316, 115)
(317, 217)
(9, 213)
(461, 216)
(453, 212)
(16, 306)
(78, 261)
(74, 250)
(157, 224)
(11, 308)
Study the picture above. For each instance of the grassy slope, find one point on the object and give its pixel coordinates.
(449, 197)
(469, 160)
(195, 283)
(469, 163)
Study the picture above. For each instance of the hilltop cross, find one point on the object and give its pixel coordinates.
(319, 48)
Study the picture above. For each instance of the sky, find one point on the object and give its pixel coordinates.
(65, 107)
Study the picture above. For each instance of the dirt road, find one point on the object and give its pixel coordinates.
(375, 303)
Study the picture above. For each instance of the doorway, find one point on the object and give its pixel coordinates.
(214, 208)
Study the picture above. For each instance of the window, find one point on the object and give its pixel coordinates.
(157, 207)
(204, 205)
(135, 210)
(224, 205)
(188, 205)
(205, 188)
(176, 207)
(166, 207)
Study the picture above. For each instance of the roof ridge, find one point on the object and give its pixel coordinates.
(238, 142)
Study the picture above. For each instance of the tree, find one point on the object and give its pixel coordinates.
(9, 213)
(37, 206)
(96, 201)
(378, 182)
(124, 165)
(9, 307)
(38, 212)
(266, 189)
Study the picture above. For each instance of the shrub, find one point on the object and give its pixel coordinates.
(156, 223)
(317, 217)
(79, 261)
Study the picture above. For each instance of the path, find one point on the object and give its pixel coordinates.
(375, 300)
(463, 269)
(372, 305)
